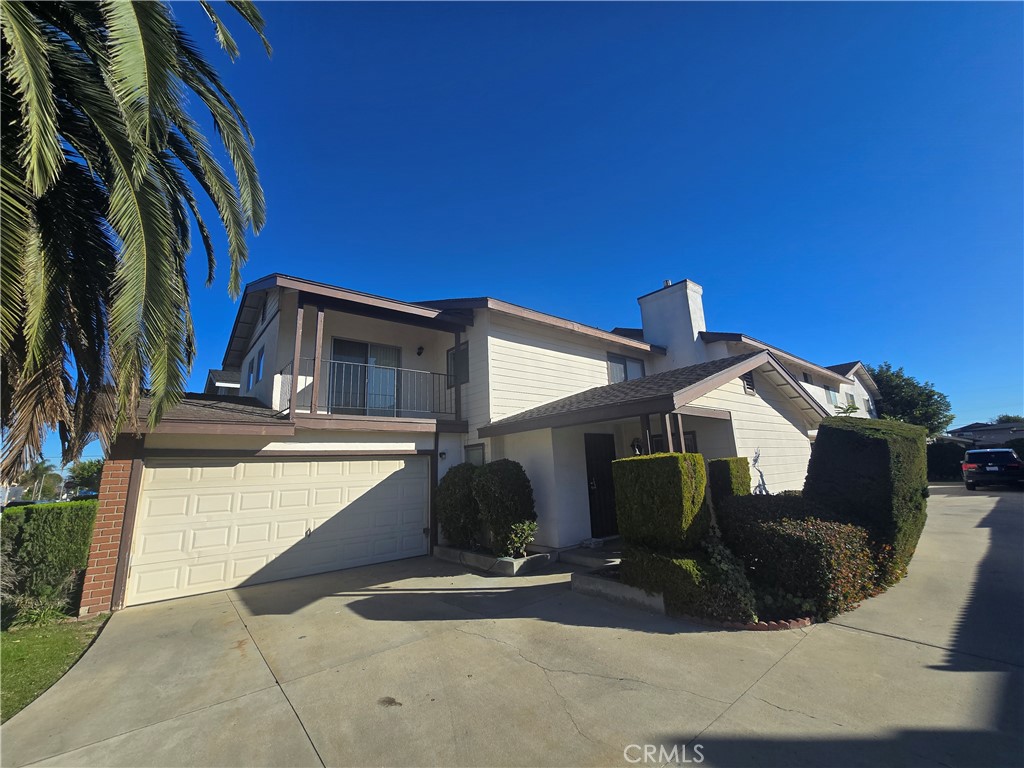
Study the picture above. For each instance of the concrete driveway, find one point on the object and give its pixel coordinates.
(417, 663)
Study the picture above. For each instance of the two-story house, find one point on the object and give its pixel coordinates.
(349, 408)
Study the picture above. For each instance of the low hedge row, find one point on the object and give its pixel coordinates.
(46, 550)
(944, 461)
(708, 583)
(727, 478)
(659, 501)
(873, 473)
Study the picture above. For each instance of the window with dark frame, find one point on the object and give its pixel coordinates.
(851, 400)
(807, 378)
(475, 454)
(690, 442)
(748, 382)
(832, 395)
(259, 365)
(458, 365)
(621, 368)
(249, 375)
(867, 407)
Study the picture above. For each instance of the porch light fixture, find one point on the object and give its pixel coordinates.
(443, 454)
(419, 351)
(637, 446)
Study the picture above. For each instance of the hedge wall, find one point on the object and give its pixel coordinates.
(823, 566)
(50, 544)
(727, 478)
(944, 461)
(505, 495)
(458, 513)
(659, 501)
(694, 585)
(873, 473)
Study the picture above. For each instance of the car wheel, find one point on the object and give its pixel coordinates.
(969, 486)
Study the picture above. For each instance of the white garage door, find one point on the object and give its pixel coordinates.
(212, 524)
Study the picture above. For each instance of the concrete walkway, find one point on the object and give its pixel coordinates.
(416, 663)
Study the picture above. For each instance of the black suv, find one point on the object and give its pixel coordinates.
(991, 466)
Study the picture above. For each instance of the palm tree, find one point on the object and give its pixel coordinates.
(35, 476)
(99, 156)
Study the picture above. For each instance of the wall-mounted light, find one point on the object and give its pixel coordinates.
(443, 454)
(637, 446)
(419, 351)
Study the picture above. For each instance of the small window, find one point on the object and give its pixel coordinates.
(690, 442)
(867, 407)
(624, 369)
(249, 375)
(259, 365)
(458, 364)
(475, 454)
(851, 400)
(832, 395)
(748, 382)
(807, 378)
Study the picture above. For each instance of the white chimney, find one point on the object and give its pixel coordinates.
(673, 317)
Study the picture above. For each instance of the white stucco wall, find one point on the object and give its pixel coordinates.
(534, 450)
(672, 318)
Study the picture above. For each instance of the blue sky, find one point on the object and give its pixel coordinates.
(845, 180)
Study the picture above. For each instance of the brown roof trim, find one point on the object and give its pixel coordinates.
(202, 427)
(525, 313)
(713, 336)
(377, 423)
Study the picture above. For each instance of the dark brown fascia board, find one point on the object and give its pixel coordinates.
(441, 321)
(700, 410)
(322, 290)
(376, 424)
(525, 313)
(201, 427)
(659, 404)
(713, 336)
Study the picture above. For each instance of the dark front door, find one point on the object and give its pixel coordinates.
(600, 455)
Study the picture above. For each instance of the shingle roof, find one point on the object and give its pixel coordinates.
(197, 407)
(645, 388)
(843, 369)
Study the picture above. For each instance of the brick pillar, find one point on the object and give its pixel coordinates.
(116, 488)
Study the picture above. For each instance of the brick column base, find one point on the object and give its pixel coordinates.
(108, 534)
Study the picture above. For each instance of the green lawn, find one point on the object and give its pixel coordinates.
(34, 658)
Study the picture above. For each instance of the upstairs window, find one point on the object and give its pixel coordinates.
(259, 365)
(624, 369)
(807, 378)
(748, 382)
(832, 395)
(458, 365)
(249, 376)
(867, 407)
(851, 400)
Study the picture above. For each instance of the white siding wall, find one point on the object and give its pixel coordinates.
(765, 420)
(265, 337)
(475, 400)
(530, 364)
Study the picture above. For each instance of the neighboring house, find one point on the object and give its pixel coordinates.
(9, 493)
(983, 435)
(351, 406)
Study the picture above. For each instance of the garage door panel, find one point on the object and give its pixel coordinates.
(219, 524)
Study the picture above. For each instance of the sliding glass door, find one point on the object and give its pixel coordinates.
(363, 378)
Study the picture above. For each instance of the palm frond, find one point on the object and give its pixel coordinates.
(26, 59)
(227, 42)
(251, 14)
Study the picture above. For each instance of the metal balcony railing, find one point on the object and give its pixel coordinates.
(361, 389)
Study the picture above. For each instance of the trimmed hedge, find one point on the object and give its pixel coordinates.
(740, 511)
(873, 473)
(1017, 444)
(505, 495)
(458, 513)
(695, 585)
(659, 501)
(727, 478)
(823, 565)
(944, 461)
(49, 546)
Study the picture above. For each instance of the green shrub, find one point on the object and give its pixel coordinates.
(707, 583)
(659, 501)
(48, 549)
(739, 511)
(873, 473)
(944, 461)
(727, 478)
(1017, 444)
(503, 491)
(458, 514)
(520, 535)
(807, 563)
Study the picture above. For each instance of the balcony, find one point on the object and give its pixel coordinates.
(361, 389)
